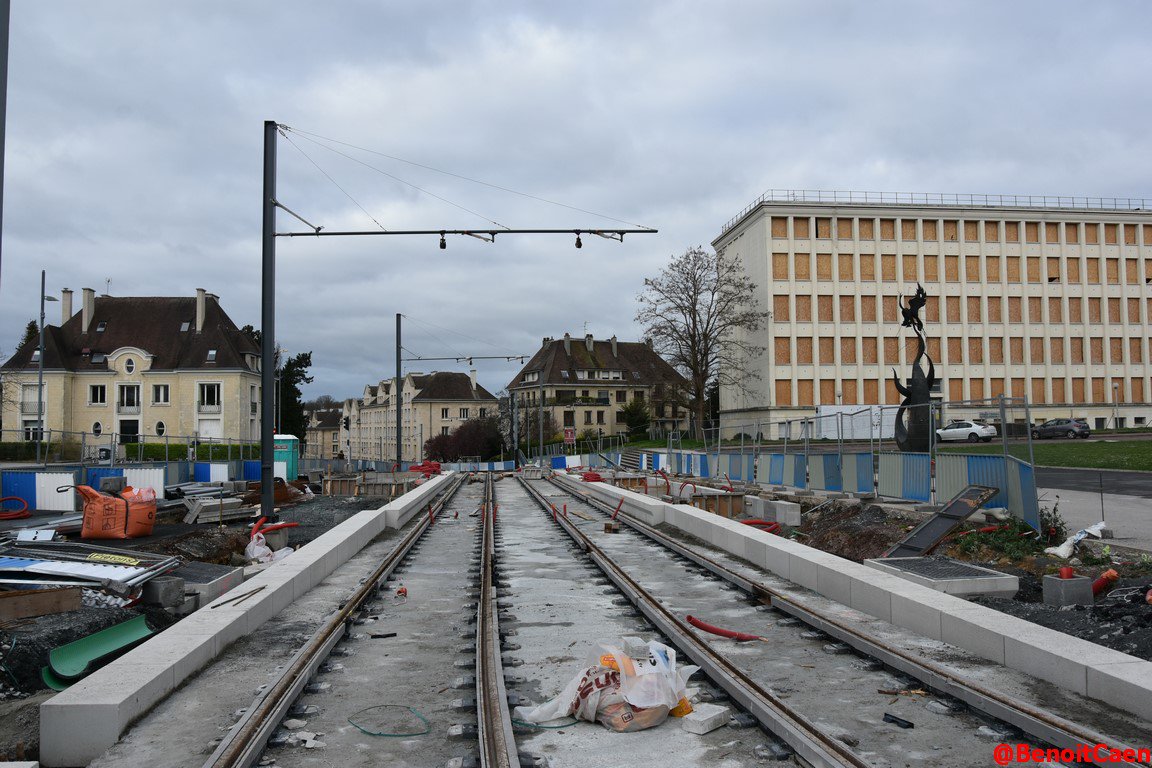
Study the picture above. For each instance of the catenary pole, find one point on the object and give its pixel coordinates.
(268, 321)
(399, 400)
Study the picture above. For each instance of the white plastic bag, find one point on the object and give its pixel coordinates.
(258, 550)
(620, 691)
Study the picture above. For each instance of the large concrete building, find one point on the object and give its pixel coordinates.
(1040, 298)
(138, 367)
(584, 384)
(433, 403)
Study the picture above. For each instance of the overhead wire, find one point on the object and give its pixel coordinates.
(329, 177)
(461, 335)
(527, 195)
(396, 178)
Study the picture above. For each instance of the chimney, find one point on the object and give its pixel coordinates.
(200, 300)
(588, 341)
(472, 376)
(547, 341)
(567, 344)
(88, 308)
(65, 305)
(614, 352)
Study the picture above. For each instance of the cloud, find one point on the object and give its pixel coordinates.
(134, 146)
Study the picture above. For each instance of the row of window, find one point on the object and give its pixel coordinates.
(925, 268)
(1081, 350)
(444, 413)
(129, 394)
(1055, 232)
(1095, 389)
(1074, 310)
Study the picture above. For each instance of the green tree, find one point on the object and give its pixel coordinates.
(637, 416)
(293, 373)
(700, 313)
(31, 334)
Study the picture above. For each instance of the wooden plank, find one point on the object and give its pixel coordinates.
(27, 603)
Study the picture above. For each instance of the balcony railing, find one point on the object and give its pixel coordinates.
(29, 407)
(255, 408)
(128, 408)
(207, 407)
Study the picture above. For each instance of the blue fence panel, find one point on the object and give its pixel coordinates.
(702, 465)
(796, 470)
(989, 471)
(19, 484)
(654, 462)
(917, 483)
(833, 477)
(559, 462)
(856, 470)
(93, 474)
(251, 470)
(1022, 500)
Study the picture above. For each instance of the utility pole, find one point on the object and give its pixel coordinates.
(268, 320)
(540, 413)
(399, 399)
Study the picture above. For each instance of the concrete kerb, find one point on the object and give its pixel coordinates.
(79, 724)
(1110, 676)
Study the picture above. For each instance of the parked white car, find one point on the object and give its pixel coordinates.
(972, 431)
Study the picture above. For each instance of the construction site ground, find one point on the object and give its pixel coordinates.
(21, 688)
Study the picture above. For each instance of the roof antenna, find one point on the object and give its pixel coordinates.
(107, 286)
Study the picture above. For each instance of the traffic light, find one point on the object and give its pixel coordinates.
(347, 422)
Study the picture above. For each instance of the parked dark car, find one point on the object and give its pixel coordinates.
(1061, 428)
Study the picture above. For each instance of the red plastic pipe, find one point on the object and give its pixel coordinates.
(16, 514)
(618, 506)
(667, 482)
(1106, 581)
(278, 526)
(256, 528)
(740, 637)
(765, 525)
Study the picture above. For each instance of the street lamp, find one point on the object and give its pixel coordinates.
(40, 373)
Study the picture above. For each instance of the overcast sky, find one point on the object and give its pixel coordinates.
(134, 146)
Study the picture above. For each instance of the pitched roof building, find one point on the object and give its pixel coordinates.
(433, 403)
(323, 435)
(138, 367)
(584, 384)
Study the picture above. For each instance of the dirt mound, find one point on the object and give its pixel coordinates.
(846, 530)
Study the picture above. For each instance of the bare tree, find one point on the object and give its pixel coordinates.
(698, 313)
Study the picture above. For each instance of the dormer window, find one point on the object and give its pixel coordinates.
(184, 326)
(211, 355)
(129, 365)
(99, 357)
(101, 326)
(35, 355)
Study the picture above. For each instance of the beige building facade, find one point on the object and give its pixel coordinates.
(137, 368)
(1040, 298)
(584, 384)
(432, 404)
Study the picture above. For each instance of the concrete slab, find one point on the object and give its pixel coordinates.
(1056, 657)
(1128, 681)
(75, 735)
(991, 582)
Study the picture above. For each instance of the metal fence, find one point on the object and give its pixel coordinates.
(114, 448)
(855, 451)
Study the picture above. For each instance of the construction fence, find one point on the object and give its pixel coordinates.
(856, 452)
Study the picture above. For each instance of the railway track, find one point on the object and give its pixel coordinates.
(342, 665)
(489, 600)
(820, 737)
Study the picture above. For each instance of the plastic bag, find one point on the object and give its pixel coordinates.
(621, 691)
(257, 549)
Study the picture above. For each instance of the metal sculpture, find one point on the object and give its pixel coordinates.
(913, 419)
